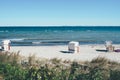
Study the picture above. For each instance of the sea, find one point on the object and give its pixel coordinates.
(59, 35)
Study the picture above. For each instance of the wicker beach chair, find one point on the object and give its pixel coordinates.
(73, 47)
(109, 46)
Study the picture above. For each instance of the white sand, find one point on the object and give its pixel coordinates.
(87, 52)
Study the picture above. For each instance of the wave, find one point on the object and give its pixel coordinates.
(1, 31)
(4, 31)
(48, 42)
(55, 41)
(38, 39)
(89, 30)
(51, 42)
(21, 39)
(36, 42)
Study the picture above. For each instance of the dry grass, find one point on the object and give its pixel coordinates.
(101, 60)
(7, 57)
(15, 59)
(31, 60)
(1, 77)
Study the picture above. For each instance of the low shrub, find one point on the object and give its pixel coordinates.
(115, 75)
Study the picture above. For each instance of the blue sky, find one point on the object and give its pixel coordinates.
(59, 12)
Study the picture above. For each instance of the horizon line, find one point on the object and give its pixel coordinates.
(60, 25)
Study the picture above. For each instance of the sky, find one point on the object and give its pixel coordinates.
(59, 12)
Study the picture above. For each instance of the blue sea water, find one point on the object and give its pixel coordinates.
(59, 35)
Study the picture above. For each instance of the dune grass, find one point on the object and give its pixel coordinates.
(13, 67)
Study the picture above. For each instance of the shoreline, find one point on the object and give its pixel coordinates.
(87, 52)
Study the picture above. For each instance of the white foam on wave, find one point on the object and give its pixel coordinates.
(36, 42)
(16, 39)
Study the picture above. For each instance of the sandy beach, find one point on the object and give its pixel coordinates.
(87, 52)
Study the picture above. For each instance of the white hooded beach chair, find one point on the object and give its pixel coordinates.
(73, 47)
(6, 45)
(109, 46)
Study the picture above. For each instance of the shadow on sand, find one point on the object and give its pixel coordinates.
(1, 50)
(66, 52)
(101, 50)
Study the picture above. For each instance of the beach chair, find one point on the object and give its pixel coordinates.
(109, 46)
(1, 46)
(73, 47)
(5, 45)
